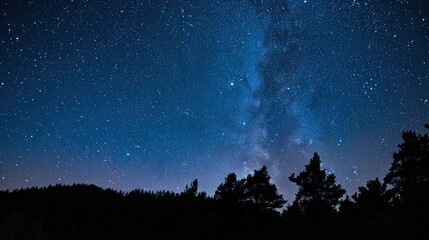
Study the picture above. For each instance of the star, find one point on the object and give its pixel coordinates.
(117, 94)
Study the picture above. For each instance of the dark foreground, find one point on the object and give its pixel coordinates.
(395, 208)
(89, 212)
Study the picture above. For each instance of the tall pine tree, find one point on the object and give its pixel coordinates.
(255, 190)
(409, 173)
(232, 190)
(318, 193)
(260, 192)
(373, 198)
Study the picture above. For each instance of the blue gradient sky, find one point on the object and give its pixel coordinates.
(152, 94)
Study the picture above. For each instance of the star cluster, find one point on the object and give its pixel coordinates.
(152, 94)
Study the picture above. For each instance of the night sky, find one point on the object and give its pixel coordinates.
(153, 94)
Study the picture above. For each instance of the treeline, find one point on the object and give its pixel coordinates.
(393, 208)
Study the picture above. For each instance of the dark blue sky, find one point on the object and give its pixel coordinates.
(152, 94)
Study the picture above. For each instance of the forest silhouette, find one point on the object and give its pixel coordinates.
(395, 207)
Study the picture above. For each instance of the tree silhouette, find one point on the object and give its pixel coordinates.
(373, 198)
(89, 212)
(347, 205)
(260, 192)
(192, 189)
(231, 190)
(409, 173)
(317, 193)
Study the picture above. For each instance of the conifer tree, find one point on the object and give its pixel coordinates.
(232, 190)
(373, 198)
(192, 189)
(318, 193)
(260, 192)
(409, 173)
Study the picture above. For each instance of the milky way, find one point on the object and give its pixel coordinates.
(153, 94)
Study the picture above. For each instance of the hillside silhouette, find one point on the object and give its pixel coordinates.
(395, 207)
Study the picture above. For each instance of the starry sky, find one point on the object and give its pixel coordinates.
(153, 94)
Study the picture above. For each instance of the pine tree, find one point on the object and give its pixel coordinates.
(192, 189)
(373, 198)
(317, 193)
(260, 192)
(409, 173)
(231, 190)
